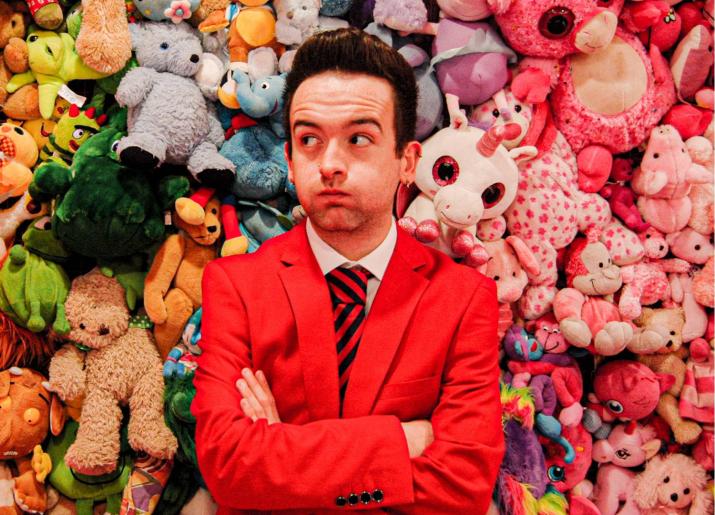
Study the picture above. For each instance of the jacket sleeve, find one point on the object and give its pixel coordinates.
(249, 465)
(457, 472)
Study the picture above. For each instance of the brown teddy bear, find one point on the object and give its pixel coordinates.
(666, 327)
(24, 103)
(111, 361)
(29, 410)
(172, 289)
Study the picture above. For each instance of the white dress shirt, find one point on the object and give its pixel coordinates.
(375, 262)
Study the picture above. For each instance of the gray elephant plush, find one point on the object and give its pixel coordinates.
(169, 120)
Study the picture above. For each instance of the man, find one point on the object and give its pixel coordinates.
(375, 357)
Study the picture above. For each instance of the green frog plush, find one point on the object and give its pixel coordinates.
(105, 209)
(33, 287)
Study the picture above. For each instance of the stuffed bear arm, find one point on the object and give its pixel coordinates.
(20, 80)
(675, 265)
(161, 275)
(135, 86)
(288, 34)
(216, 133)
(50, 180)
(67, 374)
(568, 303)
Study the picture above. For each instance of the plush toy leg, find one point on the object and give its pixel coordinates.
(685, 431)
(191, 209)
(104, 43)
(141, 150)
(47, 14)
(86, 507)
(696, 319)
(613, 338)
(235, 243)
(61, 325)
(594, 166)
(114, 504)
(96, 449)
(211, 168)
(36, 323)
(179, 309)
(147, 431)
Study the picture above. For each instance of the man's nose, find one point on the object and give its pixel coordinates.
(333, 160)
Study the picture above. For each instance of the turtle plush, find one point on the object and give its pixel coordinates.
(105, 209)
(33, 288)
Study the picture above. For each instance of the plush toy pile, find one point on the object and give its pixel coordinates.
(567, 154)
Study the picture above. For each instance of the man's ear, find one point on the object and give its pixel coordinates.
(286, 154)
(408, 162)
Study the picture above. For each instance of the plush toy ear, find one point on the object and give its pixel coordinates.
(57, 415)
(651, 448)
(524, 153)
(136, 30)
(666, 381)
(645, 492)
(526, 257)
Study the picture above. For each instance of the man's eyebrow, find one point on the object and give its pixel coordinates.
(357, 121)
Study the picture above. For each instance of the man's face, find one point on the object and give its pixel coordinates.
(343, 161)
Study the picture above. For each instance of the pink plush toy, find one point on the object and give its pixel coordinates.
(464, 176)
(703, 281)
(510, 260)
(692, 60)
(702, 195)
(673, 485)
(624, 390)
(546, 330)
(664, 179)
(696, 397)
(691, 246)
(600, 108)
(621, 197)
(566, 476)
(655, 22)
(696, 319)
(587, 318)
(628, 445)
(549, 208)
(646, 283)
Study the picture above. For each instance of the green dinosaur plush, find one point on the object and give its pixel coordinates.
(87, 490)
(53, 63)
(105, 209)
(33, 288)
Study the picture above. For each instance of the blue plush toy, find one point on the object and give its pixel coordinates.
(161, 10)
(262, 98)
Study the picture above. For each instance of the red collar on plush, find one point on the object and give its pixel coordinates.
(238, 122)
(542, 131)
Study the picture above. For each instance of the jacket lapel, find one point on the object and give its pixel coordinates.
(400, 290)
(309, 298)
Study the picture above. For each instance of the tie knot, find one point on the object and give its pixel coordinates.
(348, 285)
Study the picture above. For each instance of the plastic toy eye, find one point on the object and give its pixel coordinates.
(78, 133)
(495, 113)
(114, 146)
(555, 473)
(615, 406)
(556, 23)
(492, 195)
(517, 108)
(19, 130)
(496, 277)
(445, 170)
(164, 46)
(656, 155)
(33, 38)
(666, 479)
(32, 416)
(265, 85)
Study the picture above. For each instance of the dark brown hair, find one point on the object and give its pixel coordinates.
(351, 50)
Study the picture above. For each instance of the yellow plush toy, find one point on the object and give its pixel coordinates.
(18, 154)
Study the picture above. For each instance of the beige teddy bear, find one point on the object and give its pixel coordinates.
(111, 362)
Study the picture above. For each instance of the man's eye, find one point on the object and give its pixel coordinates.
(360, 140)
(308, 141)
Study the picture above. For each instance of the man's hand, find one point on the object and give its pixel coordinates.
(258, 401)
(419, 436)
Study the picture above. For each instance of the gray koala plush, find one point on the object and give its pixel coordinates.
(169, 120)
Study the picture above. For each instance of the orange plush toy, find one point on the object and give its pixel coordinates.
(29, 411)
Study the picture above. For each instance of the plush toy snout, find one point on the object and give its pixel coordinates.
(596, 33)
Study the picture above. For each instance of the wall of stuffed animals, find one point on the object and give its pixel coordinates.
(594, 115)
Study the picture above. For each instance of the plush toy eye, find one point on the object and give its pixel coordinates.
(164, 45)
(666, 479)
(513, 274)
(517, 108)
(495, 113)
(622, 454)
(656, 155)
(265, 85)
(647, 236)
(496, 277)
(31, 416)
(555, 473)
(445, 170)
(600, 264)
(615, 406)
(556, 330)
(556, 23)
(214, 211)
(78, 133)
(697, 247)
(33, 38)
(114, 146)
(19, 131)
(686, 491)
(492, 195)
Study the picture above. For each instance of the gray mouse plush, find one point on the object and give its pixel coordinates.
(169, 120)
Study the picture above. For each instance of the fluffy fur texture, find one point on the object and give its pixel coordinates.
(104, 42)
(673, 484)
(701, 196)
(659, 331)
(120, 366)
(186, 133)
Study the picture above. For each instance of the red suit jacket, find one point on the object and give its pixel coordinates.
(428, 351)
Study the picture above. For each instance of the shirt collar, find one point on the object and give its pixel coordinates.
(375, 262)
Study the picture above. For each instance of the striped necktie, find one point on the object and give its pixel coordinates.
(348, 291)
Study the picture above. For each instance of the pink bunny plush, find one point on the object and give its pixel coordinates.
(646, 283)
(628, 445)
(664, 178)
(549, 209)
(600, 108)
(691, 246)
(587, 318)
(464, 176)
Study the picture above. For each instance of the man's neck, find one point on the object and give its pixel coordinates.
(355, 245)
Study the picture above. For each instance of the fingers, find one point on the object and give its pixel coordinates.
(258, 401)
(249, 403)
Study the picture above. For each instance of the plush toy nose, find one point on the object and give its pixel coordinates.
(673, 497)
(194, 58)
(212, 228)
(103, 331)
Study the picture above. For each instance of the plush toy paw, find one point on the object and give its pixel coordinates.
(408, 224)
(594, 165)
(613, 338)
(531, 86)
(477, 256)
(90, 460)
(189, 211)
(657, 182)
(427, 231)
(572, 415)
(155, 439)
(629, 308)
(646, 342)
(686, 432)
(136, 157)
(576, 332)
(29, 494)
(221, 179)
(462, 243)
(234, 246)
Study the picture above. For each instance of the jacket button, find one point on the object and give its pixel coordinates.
(378, 495)
(341, 501)
(353, 499)
(365, 497)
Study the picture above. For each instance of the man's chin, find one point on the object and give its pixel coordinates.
(334, 222)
